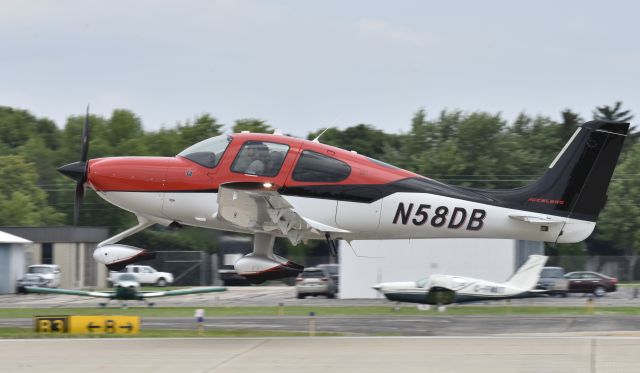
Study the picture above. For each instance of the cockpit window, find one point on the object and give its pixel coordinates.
(384, 164)
(260, 158)
(207, 153)
(314, 166)
(424, 282)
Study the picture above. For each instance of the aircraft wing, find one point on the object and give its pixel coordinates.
(95, 294)
(260, 208)
(168, 293)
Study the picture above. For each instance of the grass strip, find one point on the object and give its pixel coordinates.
(320, 311)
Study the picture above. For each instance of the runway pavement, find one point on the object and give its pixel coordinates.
(310, 355)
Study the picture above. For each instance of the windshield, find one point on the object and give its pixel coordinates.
(126, 277)
(40, 270)
(331, 269)
(423, 282)
(312, 274)
(551, 272)
(207, 153)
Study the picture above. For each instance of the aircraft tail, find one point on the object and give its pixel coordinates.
(527, 276)
(575, 185)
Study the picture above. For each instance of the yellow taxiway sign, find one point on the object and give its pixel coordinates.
(87, 324)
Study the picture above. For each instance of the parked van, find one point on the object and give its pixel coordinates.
(42, 275)
(553, 280)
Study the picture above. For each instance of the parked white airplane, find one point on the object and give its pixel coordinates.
(126, 288)
(446, 289)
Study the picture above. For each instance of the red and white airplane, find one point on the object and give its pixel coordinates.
(271, 185)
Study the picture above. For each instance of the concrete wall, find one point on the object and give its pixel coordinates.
(372, 262)
(12, 266)
(78, 269)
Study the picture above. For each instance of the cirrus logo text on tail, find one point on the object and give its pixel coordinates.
(559, 202)
(440, 216)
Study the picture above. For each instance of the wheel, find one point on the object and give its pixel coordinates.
(599, 291)
(161, 282)
(564, 294)
(331, 295)
(300, 296)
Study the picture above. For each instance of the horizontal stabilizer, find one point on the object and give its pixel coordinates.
(537, 219)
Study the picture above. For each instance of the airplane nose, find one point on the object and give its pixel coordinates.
(76, 171)
(377, 287)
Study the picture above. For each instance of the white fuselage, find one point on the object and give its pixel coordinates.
(399, 215)
(466, 288)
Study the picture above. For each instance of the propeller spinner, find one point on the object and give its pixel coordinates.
(78, 170)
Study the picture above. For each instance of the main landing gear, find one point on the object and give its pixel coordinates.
(262, 264)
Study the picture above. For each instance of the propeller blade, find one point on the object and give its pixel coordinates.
(85, 138)
(78, 202)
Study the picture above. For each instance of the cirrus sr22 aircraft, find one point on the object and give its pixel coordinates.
(270, 185)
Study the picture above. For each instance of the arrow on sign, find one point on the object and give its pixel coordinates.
(129, 327)
(90, 327)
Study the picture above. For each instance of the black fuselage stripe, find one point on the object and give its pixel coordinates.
(368, 193)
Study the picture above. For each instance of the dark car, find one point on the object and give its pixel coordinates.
(591, 282)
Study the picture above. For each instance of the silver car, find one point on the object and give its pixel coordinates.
(552, 279)
(315, 281)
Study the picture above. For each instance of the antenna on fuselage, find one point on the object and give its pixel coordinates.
(321, 133)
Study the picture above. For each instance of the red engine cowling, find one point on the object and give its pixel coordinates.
(260, 268)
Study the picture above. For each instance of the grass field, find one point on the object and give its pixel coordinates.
(319, 311)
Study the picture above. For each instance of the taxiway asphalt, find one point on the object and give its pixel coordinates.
(274, 295)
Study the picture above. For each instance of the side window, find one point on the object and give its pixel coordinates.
(260, 158)
(314, 166)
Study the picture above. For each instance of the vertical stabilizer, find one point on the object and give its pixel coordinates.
(575, 184)
(527, 276)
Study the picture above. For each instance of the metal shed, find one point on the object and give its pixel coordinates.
(12, 261)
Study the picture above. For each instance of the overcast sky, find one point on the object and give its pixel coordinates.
(303, 65)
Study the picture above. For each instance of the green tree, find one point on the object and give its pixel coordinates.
(21, 201)
(614, 113)
(568, 125)
(619, 222)
(251, 125)
(203, 127)
(362, 138)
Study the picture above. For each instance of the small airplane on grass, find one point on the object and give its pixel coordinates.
(445, 289)
(127, 288)
(270, 185)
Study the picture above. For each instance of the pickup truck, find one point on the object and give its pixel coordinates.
(145, 275)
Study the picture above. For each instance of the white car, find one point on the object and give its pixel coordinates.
(145, 275)
(42, 275)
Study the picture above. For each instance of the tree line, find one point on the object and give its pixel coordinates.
(474, 149)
